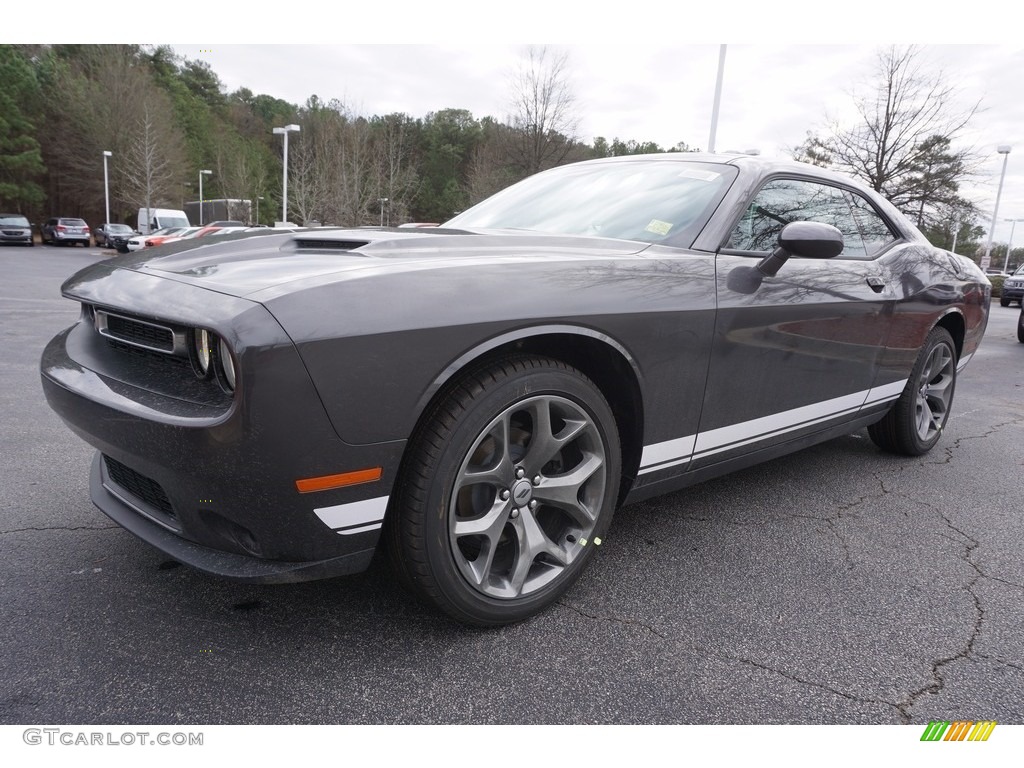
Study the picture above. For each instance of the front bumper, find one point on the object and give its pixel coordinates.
(216, 562)
(15, 237)
(224, 474)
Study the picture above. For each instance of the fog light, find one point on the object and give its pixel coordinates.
(201, 347)
(227, 364)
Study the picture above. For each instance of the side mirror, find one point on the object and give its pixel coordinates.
(807, 239)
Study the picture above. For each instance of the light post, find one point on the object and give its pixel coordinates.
(1009, 245)
(258, 198)
(106, 189)
(382, 201)
(986, 260)
(284, 184)
(201, 174)
(718, 98)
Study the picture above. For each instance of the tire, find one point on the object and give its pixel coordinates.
(1020, 325)
(506, 485)
(1003, 301)
(915, 422)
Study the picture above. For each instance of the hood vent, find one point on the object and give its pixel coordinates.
(308, 244)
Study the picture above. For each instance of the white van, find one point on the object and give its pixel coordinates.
(152, 219)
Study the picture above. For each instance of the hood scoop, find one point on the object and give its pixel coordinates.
(327, 244)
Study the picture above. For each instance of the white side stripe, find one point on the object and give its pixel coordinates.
(671, 453)
(670, 450)
(357, 517)
(885, 392)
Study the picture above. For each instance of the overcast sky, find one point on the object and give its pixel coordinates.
(640, 70)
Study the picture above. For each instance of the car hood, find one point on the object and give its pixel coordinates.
(243, 265)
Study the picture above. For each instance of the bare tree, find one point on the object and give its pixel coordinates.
(544, 117)
(903, 144)
(394, 164)
(149, 175)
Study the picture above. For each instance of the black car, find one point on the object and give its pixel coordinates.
(478, 398)
(65, 230)
(15, 229)
(112, 235)
(1013, 289)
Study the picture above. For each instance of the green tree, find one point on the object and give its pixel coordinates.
(21, 160)
(449, 139)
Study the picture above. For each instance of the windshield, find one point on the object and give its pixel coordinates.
(13, 221)
(172, 221)
(118, 228)
(650, 200)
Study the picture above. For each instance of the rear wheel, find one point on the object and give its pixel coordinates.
(506, 488)
(1020, 324)
(915, 422)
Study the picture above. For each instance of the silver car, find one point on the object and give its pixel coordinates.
(14, 228)
(65, 231)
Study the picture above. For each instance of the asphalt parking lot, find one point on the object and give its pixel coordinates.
(836, 585)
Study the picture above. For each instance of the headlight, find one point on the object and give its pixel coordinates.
(227, 364)
(201, 349)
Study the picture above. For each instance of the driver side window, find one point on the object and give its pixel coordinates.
(782, 201)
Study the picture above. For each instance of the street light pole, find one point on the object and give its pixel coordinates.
(986, 260)
(284, 131)
(106, 189)
(382, 201)
(258, 198)
(718, 98)
(201, 198)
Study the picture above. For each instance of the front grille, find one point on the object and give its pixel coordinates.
(139, 486)
(140, 333)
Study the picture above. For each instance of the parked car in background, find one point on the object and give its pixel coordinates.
(1013, 289)
(107, 235)
(139, 242)
(65, 230)
(478, 398)
(15, 229)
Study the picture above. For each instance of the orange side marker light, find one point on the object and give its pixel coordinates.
(328, 482)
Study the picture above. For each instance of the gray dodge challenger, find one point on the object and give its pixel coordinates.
(477, 399)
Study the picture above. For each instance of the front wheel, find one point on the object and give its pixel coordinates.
(1020, 324)
(1003, 301)
(509, 483)
(915, 422)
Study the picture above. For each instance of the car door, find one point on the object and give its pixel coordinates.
(797, 352)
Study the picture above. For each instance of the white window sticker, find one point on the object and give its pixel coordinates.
(690, 173)
(658, 227)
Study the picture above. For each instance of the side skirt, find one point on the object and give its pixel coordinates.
(686, 479)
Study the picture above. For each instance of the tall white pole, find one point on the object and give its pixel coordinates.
(106, 189)
(986, 260)
(284, 183)
(718, 98)
(285, 130)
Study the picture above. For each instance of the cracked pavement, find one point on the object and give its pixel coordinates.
(836, 585)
